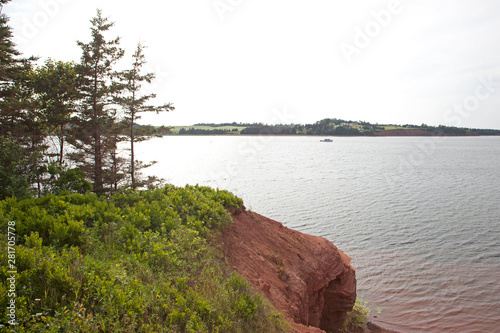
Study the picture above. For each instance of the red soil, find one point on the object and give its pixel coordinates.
(404, 132)
(305, 277)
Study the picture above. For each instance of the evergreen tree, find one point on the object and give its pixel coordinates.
(134, 104)
(16, 102)
(22, 129)
(54, 84)
(96, 118)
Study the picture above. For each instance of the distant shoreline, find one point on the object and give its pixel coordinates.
(329, 136)
(326, 127)
(337, 136)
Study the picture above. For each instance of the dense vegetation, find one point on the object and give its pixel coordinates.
(199, 131)
(139, 261)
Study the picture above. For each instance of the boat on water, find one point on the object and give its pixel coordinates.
(326, 140)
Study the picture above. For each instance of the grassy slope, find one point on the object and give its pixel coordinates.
(136, 262)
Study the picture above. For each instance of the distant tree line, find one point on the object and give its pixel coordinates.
(487, 132)
(270, 130)
(199, 131)
(226, 124)
(450, 130)
(61, 123)
(323, 127)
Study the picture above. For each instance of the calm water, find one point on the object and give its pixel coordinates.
(419, 216)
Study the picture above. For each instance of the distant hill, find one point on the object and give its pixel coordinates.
(328, 126)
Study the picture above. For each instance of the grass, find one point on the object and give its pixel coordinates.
(139, 261)
(387, 128)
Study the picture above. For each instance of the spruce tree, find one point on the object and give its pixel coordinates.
(134, 104)
(96, 119)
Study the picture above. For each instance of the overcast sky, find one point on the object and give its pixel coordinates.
(291, 61)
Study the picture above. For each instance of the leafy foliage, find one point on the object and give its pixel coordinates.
(139, 261)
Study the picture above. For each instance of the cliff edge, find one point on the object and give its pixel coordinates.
(305, 277)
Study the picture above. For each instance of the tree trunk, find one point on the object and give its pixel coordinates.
(132, 156)
(61, 145)
(98, 185)
(98, 181)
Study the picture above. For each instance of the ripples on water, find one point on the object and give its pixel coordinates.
(418, 216)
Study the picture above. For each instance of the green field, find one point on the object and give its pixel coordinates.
(387, 128)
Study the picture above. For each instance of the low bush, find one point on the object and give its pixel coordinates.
(139, 261)
(356, 319)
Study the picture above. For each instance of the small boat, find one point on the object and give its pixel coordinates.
(326, 140)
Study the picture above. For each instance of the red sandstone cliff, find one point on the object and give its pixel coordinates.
(305, 277)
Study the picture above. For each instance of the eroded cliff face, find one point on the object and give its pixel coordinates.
(305, 277)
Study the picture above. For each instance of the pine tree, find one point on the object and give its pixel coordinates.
(134, 104)
(96, 118)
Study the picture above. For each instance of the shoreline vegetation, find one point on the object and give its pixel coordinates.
(325, 127)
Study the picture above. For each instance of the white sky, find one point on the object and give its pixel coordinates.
(287, 60)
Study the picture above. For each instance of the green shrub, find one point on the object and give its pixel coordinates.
(16, 169)
(356, 318)
(139, 261)
(72, 180)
